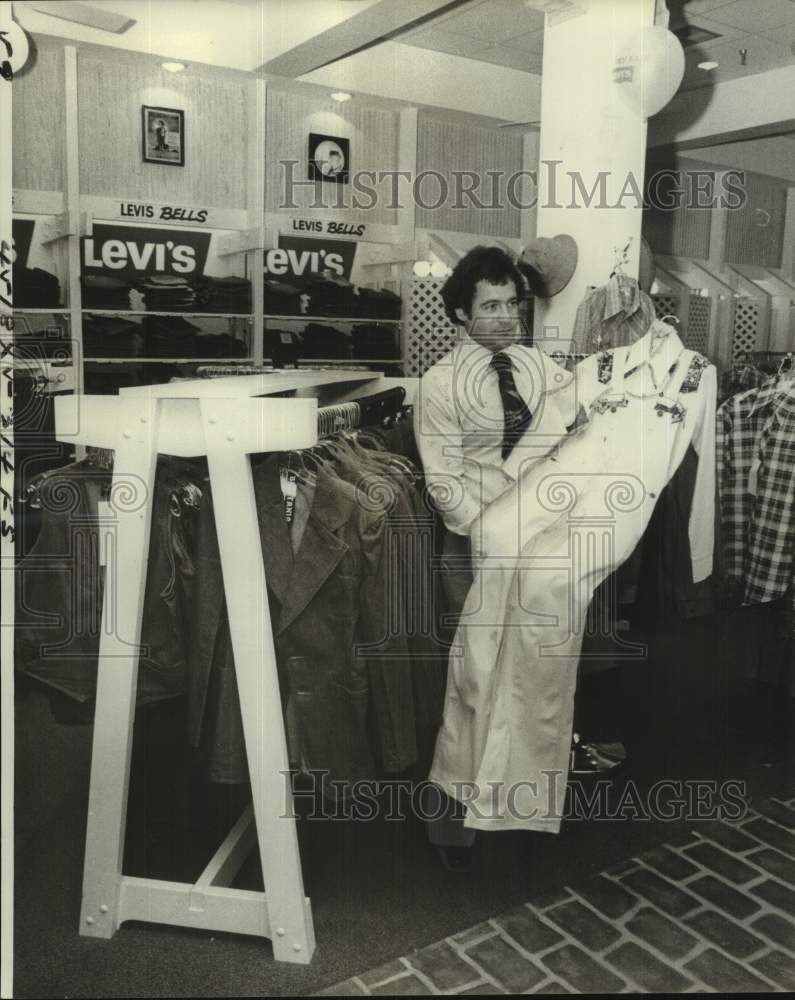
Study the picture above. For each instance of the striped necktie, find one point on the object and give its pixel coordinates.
(517, 416)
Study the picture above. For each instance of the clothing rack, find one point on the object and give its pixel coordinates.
(771, 362)
(227, 420)
(362, 412)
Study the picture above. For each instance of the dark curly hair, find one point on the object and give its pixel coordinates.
(481, 263)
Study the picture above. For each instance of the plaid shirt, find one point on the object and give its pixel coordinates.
(771, 541)
(756, 435)
(613, 315)
(741, 376)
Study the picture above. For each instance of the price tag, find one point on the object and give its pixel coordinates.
(289, 484)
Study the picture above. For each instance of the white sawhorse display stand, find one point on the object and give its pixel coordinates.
(222, 419)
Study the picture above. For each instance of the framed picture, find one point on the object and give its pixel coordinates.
(329, 158)
(163, 135)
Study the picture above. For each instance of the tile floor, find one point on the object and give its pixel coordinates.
(712, 910)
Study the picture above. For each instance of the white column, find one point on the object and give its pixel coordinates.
(592, 152)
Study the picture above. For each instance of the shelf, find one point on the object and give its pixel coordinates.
(351, 361)
(330, 319)
(143, 313)
(166, 361)
(55, 311)
(239, 386)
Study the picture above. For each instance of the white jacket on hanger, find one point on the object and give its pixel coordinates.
(541, 549)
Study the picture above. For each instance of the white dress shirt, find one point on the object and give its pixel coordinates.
(461, 422)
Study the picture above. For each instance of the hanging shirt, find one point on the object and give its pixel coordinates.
(613, 315)
(460, 424)
(649, 367)
(771, 527)
(754, 483)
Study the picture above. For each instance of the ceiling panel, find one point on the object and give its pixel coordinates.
(725, 32)
(763, 54)
(508, 33)
(702, 6)
(784, 36)
(443, 41)
(495, 20)
(753, 15)
(533, 41)
(503, 55)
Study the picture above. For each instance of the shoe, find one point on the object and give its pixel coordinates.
(595, 758)
(456, 859)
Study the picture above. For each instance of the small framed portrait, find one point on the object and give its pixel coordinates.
(163, 135)
(329, 158)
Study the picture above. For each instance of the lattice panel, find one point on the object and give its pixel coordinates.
(429, 333)
(746, 327)
(698, 314)
(665, 305)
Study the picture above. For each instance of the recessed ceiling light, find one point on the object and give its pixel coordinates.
(708, 65)
(340, 95)
(173, 67)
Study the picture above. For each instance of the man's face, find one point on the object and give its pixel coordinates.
(494, 317)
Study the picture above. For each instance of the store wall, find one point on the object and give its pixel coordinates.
(373, 135)
(446, 147)
(755, 232)
(677, 229)
(110, 95)
(38, 125)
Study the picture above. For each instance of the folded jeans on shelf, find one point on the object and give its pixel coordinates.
(321, 341)
(377, 303)
(374, 340)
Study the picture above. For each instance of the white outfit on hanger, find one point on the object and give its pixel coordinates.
(574, 517)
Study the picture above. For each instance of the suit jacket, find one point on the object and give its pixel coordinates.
(353, 711)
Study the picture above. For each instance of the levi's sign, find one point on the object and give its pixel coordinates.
(134, 251)
(301, 257)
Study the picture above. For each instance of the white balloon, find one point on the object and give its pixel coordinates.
(648, 69)
(17, 40)
(439, 269)
(422, 268)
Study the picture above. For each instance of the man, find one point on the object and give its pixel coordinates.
(474, 406)
(160, 133)
(478, 401)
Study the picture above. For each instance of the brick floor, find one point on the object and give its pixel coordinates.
(713, 911)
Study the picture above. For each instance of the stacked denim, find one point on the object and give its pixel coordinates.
(35, 288)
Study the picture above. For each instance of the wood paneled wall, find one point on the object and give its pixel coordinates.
(38, 126)
(678, 232)
(373, 135)
(671, 224)
(447, 146)
(110, 96)
(755, 232)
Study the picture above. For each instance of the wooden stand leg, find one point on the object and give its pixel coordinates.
(231, 481)
(125, 578)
